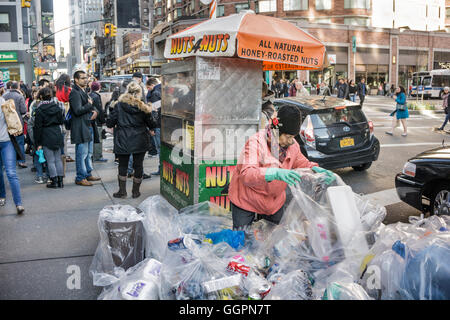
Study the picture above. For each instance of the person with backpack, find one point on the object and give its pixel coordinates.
(63, 90)
(98, 122)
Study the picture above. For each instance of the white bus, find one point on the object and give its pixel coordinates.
(430, 83)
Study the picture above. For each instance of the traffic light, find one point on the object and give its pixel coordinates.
(107, 29)
(26, 3)
(113, 30)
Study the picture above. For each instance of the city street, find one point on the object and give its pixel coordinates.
(58, 233)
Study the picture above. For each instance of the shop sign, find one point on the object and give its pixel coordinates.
(444, 65)
(201, 45)
(177, 180)
(8, 56)
(4, 75)
(212, 179)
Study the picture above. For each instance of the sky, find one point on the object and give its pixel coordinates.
(61, 20)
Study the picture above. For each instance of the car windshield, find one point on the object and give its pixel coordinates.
(332, 116)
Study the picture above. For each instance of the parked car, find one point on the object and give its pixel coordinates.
(335, 133)
(425, 181)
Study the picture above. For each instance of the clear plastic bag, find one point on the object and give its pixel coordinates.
(409, 261)
(204, 218)
(139, 283)
(161, 225)
(295, 285)
(199, 274)
(122, 242)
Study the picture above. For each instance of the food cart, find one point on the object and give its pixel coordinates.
(212, 96)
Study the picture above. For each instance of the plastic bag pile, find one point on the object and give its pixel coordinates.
(331, 244)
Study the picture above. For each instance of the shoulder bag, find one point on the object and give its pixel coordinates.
(12, 118)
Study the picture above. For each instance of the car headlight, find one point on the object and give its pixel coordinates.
(409, 169)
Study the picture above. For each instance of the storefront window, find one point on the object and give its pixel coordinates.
(374, 74)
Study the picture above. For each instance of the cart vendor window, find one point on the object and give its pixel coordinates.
(179, 94)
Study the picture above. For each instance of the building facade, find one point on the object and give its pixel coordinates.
(376, 40)
(20, 29)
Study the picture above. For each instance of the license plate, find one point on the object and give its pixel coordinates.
(347, 142)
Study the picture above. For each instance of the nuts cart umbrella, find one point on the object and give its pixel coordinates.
(278, 43)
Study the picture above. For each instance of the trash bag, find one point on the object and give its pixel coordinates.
(336, 224)
(295, 285)
(122, 243)
(409, 261)
(198, 273)
(345, 291)
(204, 218)
(139, 283)
(161, 225)
(426, 272)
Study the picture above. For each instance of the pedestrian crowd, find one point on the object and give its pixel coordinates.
(42, 119)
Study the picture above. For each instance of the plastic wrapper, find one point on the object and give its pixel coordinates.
(139, 283)
(122, 242)
(197, 273)
(161, 225)
(295, 285)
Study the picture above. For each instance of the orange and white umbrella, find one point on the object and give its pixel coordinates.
(278, 43)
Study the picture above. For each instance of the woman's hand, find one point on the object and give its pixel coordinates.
(330, 175)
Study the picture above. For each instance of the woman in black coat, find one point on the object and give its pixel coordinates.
(131, 119)
(48, 135)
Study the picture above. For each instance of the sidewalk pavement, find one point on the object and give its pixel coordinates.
(58, 232)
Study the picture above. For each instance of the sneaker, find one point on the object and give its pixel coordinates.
(389, 133)
(404, 134)
(2, 202)
(101, 160)
(151, 156)
(69, 159)
(157, 173)
(22, 165)
(39, 180)
(146, 176)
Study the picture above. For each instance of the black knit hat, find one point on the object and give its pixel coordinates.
(137, 75)
(289, 120)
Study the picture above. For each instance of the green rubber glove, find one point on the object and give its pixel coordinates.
(330, 175)
(289, 176)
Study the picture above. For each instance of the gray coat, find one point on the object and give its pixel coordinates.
(81, 111)
(19, 102)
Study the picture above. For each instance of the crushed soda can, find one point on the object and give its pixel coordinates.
(238, 267)
(185, 242)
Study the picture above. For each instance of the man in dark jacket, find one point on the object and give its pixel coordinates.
(362, 91)
(21, 108)
(81, 131)
(342, 89)
(98, 123)
(154, 97)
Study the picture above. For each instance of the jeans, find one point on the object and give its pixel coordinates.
(39, 166)
(130, 165)
(8, 160)
(353, 97)
(98, 147)
(54, 162)
(83, 161)
(447, 119)
(157, 139)
(21, 142)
